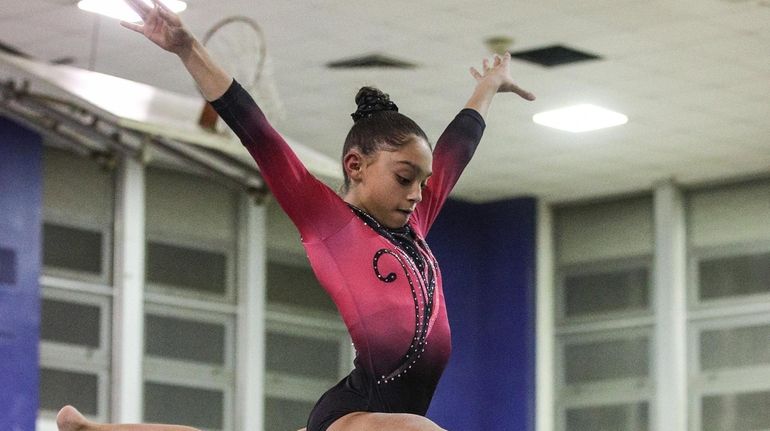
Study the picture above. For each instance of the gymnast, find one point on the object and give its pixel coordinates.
(366, 247)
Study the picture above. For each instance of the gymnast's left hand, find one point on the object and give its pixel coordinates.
(161, 26)
(498, 76)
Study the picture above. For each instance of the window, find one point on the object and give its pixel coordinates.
(74, 351)
(604, 315)
(189, 269)
(295, 285)
(618, 358)
(190, 302)
(77, 212)
(605, 290)
(626, 417)
(71, 248)
(294, 383)
(181, 404)
(76, 312)
(731, 387)
(189, 367)
(729, 305)
(302, 323)
(736, 411)
(738, 275)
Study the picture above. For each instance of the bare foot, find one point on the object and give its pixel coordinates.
(69, 419)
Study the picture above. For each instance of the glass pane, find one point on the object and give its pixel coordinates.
(59, 388)
(71, 323)
(198, 270)
(734, 276)
(286, 415)
(735, 347)
(184, 339)
(170, 404)
(627, 417)
(736, 412)
(606, 360)
(622, 290)
(72, 248)
(295, 285)
(289, 354)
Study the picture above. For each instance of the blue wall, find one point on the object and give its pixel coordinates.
(20, 212)
(487, 257)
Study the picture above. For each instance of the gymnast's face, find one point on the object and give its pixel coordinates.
(388, 184)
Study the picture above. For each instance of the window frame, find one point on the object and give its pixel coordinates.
(176, 378)
(697, 254)
(105, 276)
(179, 372)
(602, 266)
(182, 311)
(561, 417)
(223, 247)
(722, 382)
(319, 325)
(69, 357)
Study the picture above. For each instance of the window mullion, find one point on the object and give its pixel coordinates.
(670, 341)
(128, 324)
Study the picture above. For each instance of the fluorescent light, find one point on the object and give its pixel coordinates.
(580, 118)
(120, 9)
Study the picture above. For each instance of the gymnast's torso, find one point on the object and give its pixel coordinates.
(385, 282)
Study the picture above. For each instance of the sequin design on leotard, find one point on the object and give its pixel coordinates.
(411, 253)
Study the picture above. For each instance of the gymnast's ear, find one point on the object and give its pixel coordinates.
(354, 163)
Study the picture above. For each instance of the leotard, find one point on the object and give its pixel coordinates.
(385, 283)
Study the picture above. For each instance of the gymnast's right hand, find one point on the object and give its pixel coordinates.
(162, 26)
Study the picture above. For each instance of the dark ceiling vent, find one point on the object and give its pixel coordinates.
(371, 61)
(554, 55)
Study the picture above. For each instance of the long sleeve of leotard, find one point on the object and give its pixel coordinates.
(312, 206)
(453, 151)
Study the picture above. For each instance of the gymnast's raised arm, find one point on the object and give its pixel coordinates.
(164, 28)
(306, 200)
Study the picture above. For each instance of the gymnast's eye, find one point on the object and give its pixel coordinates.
(403, 181)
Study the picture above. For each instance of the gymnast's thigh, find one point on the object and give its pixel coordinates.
(366, 421)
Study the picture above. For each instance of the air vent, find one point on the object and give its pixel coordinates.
(7, 266)
(371, 61)
(555, 55)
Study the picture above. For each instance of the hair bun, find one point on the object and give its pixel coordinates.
(370, 101)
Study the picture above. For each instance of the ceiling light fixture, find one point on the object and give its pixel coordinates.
(120, 10)
(580, 118)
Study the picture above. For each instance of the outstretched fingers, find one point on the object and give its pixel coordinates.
(141, 8)
(133, 26)
(475, 73)
(167, 14)
(522, 92)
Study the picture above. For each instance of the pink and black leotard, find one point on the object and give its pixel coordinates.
(385, 282)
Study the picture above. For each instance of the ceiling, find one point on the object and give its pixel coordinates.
(693, 76)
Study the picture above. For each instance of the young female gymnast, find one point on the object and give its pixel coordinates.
(366, 247)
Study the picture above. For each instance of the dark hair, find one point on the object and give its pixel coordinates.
(378, 125)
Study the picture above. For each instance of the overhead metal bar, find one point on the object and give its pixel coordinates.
(65, 120)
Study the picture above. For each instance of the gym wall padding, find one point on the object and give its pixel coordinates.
(487, 257)
(20, 213)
